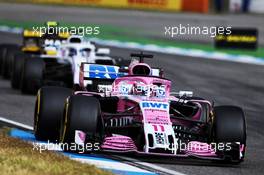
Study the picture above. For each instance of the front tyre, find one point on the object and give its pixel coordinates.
(81, 113)
(49, 111)
(230, 128)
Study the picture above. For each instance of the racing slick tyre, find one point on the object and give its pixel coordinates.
(7, 51)
(230, 128)
(32, 75)
(2, 48)
(49, 108)
(11, 53)
(17, 71)
(81, 113)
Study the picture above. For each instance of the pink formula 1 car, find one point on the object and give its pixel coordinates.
(138, 114)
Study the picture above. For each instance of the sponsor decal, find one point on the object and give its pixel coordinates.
(160, 138)
(100, 71)
(155, 105)
(239, 38)
(81, 1)
(148, 2)
(169, 5)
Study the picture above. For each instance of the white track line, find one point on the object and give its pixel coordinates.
(215, 55)
(12, 122)
(98, 163)
(148, 165)
(113, 165)
(152, 166)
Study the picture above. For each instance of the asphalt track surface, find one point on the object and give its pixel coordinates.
(221, 81)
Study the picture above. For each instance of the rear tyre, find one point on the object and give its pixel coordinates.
(32, 75)
(81, 113)
(17, 71)
(2, 50)
(7, 51)
(49, 111)
(11, 53)
(230, 128)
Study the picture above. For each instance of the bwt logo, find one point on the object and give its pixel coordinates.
(102, 72)
(155, 105)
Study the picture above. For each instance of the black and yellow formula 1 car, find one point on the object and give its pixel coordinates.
(9, 53)
(37, 63)
(30, 48)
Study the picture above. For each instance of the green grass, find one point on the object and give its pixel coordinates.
(110, 32)
(18, 158)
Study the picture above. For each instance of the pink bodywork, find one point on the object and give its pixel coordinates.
(159, 119)
(122, 143)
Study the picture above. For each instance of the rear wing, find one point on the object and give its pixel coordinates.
(90, 72)
(97, 71)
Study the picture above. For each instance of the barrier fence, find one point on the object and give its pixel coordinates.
(200, 6)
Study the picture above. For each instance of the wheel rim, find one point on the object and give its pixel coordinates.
(37, 110)
(65, 121)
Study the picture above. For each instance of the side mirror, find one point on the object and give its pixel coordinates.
(103, 51)
(186, 93)
(155, 72)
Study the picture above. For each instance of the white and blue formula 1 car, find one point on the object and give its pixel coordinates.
(59, 62)
(77, 51)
